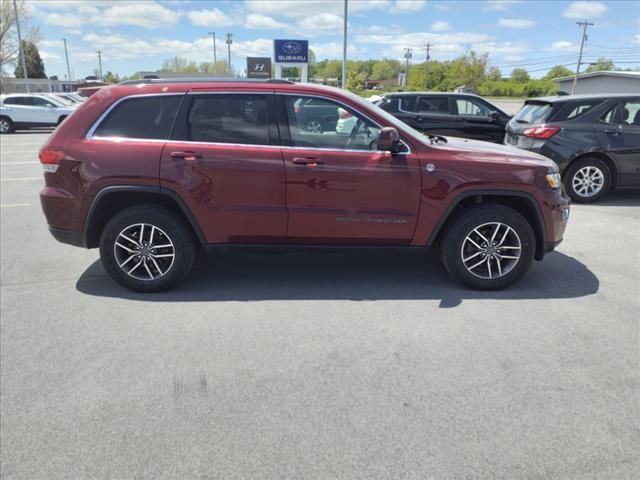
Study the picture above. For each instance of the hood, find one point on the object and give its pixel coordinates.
(493, 152)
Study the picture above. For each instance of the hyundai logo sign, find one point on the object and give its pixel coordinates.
(258, 67)
(291, 51)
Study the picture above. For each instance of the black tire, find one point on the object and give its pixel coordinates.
(61, 119)
(166, 225)
(6, 125)
(574, 174)
(486, 217)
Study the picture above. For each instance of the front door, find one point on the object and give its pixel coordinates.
(224, 160)
(473, 120)
(340, 188)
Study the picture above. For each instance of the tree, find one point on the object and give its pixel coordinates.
(385, 70)
(470, 69)
(35, 66)
(520, 75)
(111, 77)
(601, 65)
(9, 51)
(557, 72)
(494, 74)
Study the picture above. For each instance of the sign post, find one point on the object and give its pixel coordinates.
(292, 53)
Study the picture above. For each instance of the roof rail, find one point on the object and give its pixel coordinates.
(202, 80)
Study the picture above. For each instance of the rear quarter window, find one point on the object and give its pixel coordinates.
(142, 117)
(575, 109)
(533, 113)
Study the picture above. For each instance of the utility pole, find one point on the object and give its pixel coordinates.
(66, 55)
(407, 56)
(100, 64)
(24, 62)
(426, 66)
(344, 46)
(229, 42)
(584, 26)
(215, 60)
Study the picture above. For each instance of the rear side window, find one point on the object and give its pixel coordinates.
(141, 117)
(229, 118)
(575, 110)
(533, 113)
(435, 104)
(14, 101)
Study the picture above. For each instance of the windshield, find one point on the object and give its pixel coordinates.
(533, 113)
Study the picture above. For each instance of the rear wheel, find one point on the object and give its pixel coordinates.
(314, 126)
(147, 248)
(6, 125)
(587, 180)
(61, 119)
(488, 247)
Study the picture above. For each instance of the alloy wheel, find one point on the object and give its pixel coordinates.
(4, 126)
(314, 127)
(144, 252)
(491, 250)
(588, 181)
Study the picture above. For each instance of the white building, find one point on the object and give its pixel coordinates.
(602, 82)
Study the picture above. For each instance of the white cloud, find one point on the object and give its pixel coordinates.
(499, 5)
(64, 20)
(440, 26)
(209, 18)
(502, 48)
(407, 6)
(442, 7)
(585, 10)
(258, 21)
(141, 14)
(49, 56)
(513, 58)
(518, 23)
(296, 8)
(333, 50)
(636, 39)
(321, 23)
(562, 45)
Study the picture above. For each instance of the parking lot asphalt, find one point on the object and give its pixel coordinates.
(317, 365)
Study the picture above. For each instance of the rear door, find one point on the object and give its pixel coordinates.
(473, 120)
(340, 188)
(17, 110)
(224, 160)
(433, 115)
(619, 133)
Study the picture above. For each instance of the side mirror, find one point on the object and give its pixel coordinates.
(389, 140)
(494, 116)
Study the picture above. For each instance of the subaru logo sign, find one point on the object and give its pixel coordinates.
(291, 51)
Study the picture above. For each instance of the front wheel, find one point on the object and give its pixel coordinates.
(488, 247)
(147, 248)
(587, 180)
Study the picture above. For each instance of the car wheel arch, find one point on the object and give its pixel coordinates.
(609, 162)
(523, 202)
(110, 200)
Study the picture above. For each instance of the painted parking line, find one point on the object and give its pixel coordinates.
(21, 179)
(13, 205)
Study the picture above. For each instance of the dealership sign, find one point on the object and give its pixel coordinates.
(291, 51)
(258, 67)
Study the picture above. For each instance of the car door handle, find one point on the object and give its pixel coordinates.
(419, 119)
(309, 161)
(186, 155)
(612, 131)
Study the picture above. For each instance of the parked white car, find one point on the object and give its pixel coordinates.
(20, 111)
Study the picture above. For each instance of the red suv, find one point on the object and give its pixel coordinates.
(151, 172)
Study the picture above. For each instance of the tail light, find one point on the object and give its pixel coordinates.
(541, 131)
(50, 159)
(344, 114)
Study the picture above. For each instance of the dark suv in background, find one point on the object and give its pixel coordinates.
(594, 139)
(456, 114)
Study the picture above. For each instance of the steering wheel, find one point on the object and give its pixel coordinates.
(354, 132)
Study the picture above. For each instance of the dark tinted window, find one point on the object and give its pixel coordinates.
(38, 102)
(142, 117)
(14, 101)
(435, 104)
(407, 103)
(471, 106)
(229, 118)
(533, 113)
(575, 109)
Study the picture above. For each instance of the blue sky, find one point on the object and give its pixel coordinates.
(139, 35)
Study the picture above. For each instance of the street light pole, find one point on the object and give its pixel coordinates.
(407, 56)
(66, 55)
(213, 39)
(426, 66)
(229, 42)
(21, 50)
(344, 46)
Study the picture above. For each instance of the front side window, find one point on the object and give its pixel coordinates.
(38, 102)
(468, 106)
(407, 104)
(141, 117)
(327, 124)
(435, 104)
(229, 118)
(631, 113)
